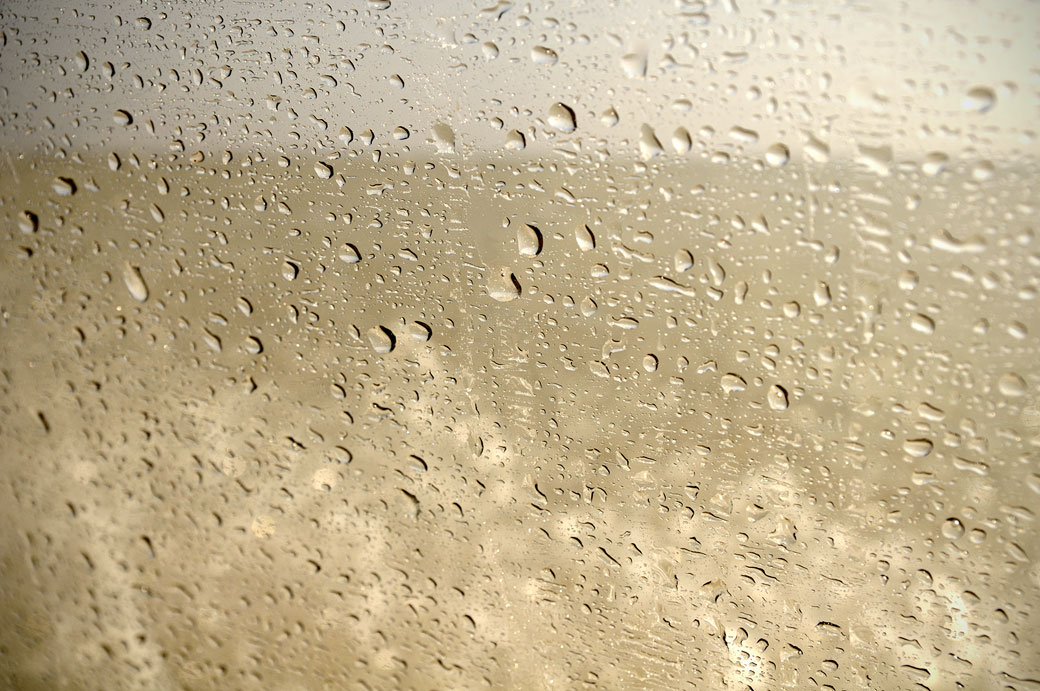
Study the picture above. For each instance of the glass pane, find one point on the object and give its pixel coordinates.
(450, 345)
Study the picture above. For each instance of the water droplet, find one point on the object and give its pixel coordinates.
(28, 222)
(952, 528)
(323, 170)
(732, 383)
(381, 339)
(683, 260)
(1012, 385)
(544, 56)
(980, 99)
(253, 346)
(817, 150)
(922, 324)
(635, 64)
(983, 171)
(935, 163)
(515, 140)
(528, 240)
(349, 253)
(504, 287)
(135, 282)
(584, 237)
(64, 187)
(682, 142)
(649, 144)
(777, 155)
(822, 294)
(444, 138)
(777, 397)
(419, 331)
(918, 448)
(561, 118)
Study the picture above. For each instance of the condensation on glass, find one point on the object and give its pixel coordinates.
(450, 345)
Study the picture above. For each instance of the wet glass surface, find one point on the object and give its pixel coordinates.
(581, 345)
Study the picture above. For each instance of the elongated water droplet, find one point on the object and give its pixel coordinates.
(528, 240)
(584, 237)
(135, 282)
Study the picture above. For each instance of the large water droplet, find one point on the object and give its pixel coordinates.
(561, 118)
(777, 155)
(135, 282)
(584, 237)
(528, 240)
(980, 99)
(504, 287)
(1012, 385)
(349, 253)
(382, 339)
(777, 397)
